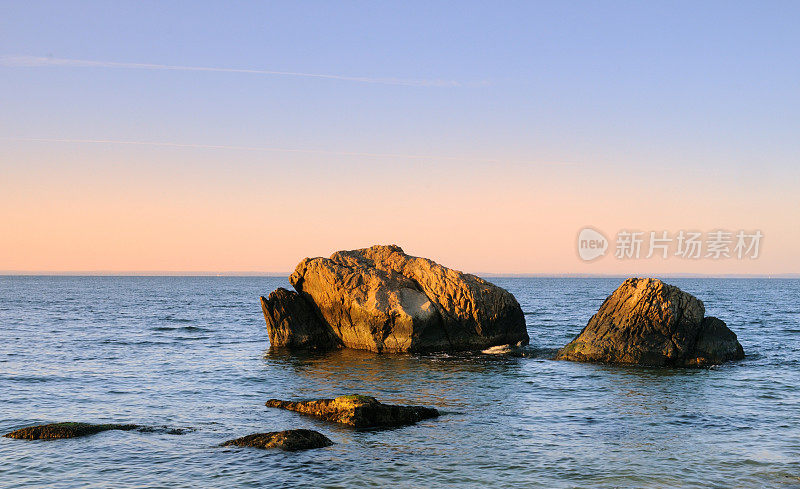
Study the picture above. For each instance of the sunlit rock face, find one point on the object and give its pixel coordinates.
(647, 322)
(383, 300)
(358, 411)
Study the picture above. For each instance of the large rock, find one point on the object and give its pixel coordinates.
(381, 299)
(647, 322)
(358, 411)
(289, 440)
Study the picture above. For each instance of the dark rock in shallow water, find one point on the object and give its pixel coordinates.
(358, 411)
(293, 323)
(647, 322)
(383, 300)
(57, 431)
(290, 440)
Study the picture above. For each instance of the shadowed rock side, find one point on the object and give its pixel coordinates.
(293, 323)
(381, 299)
(358, 411)
(290, 440)
(647, 322)
(57, 431)
(716, 344)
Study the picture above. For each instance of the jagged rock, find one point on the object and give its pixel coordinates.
(57, 431)
(289, 440)
(293, 323)
(647, 322)
(381, 299)
(358, 411)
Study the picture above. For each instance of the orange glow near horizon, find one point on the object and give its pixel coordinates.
(111, 209)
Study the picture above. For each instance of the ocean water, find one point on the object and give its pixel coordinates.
(193, 352)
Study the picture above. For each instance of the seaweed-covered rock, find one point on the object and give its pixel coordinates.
(57, 431)
(289, 440)
(71, 429)
(647, 322)
(358, 411)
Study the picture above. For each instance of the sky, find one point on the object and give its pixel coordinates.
(150, 136)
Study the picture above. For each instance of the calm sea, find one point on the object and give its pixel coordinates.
(193, 352)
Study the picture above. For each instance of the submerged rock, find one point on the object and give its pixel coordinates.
(381, 299)
(57, 431)
(289, 440)
(165, 430)
(647, 322)
(358, 411)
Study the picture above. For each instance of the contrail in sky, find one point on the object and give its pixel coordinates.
(40, 61)
(278, 150)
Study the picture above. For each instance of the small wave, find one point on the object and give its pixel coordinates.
(133, 343)
(178, 328)
(191, 338)
(31, 379)
(173, 319)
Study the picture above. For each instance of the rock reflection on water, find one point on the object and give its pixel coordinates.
(447, 381)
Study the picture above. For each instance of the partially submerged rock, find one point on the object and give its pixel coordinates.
(71, 429)
(289, 440)
(647, 322)
(358, 411)
(57, 431)
(167, 430)
(381, 299)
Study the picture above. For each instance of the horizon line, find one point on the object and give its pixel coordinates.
(253, 273)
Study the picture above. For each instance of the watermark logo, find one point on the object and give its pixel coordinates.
(591, 244)
(688, 245)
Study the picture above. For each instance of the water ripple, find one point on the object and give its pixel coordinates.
(178, 351)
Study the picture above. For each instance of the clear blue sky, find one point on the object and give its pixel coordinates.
(637, 93)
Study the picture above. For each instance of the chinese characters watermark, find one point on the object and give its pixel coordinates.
(689, 245)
